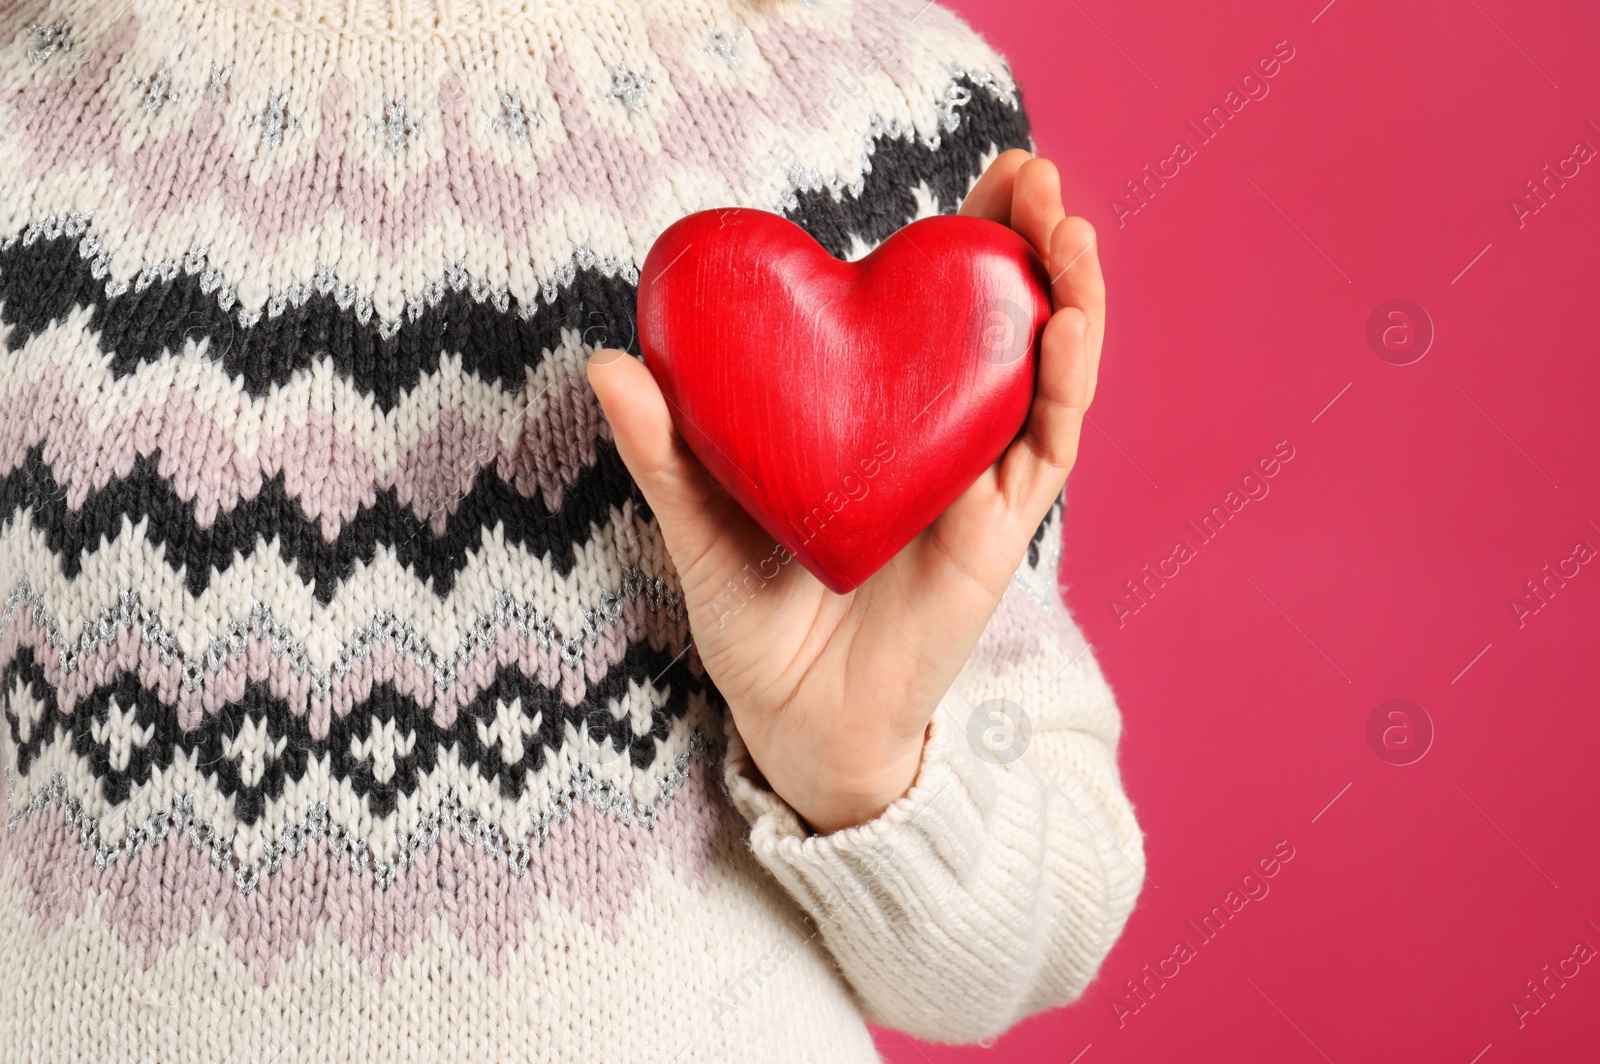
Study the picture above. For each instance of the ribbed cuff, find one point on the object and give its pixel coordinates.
(940, 819)
(984, 894)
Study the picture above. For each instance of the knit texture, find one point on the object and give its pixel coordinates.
(350, 707)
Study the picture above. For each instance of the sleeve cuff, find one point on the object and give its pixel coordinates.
(940, 819)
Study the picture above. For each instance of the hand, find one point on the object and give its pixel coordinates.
(833, 694)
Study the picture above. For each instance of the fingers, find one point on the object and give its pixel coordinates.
(692, 508)
(991, 197)
(1024, 192)
(937, 594)
(978, 540)
(1076, 281)
(1034, 470)
(1036, 204)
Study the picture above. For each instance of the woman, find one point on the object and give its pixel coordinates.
(362, 691)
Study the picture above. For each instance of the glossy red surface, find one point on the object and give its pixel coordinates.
(845, 405)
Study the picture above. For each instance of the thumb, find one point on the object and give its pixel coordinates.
(695, 512)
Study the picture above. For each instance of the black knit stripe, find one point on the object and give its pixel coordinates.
(43, 281)
(272, 516)
(384, 706)
(888, 199)
(1052, 521)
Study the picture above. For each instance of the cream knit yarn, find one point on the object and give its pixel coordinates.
(350, 711)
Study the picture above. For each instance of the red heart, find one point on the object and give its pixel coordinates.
(844, 405)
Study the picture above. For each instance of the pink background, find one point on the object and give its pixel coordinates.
(1382, 563)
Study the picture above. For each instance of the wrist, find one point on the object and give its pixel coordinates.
(828, 800)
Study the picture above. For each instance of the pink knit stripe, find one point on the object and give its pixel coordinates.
(593, 866)
(385, 664)
(332, 472)
(708, 132)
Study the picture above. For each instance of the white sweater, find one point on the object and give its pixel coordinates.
(349, 707)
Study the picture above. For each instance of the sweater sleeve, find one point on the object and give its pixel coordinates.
(997, 885)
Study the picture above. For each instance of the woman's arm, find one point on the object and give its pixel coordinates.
(996, 886)
(833, 694)
(963, 894)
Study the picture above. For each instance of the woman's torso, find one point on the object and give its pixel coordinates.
(349, 705)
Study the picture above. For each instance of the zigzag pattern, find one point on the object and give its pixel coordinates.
(43, 278)
(247, 822)
(330, 470)
(44, 281)
(484, 886)
(263, 650)
(510, 712)
(388, 478)
(387, 715)
(145, 500)
(335, 449)
(145, 504)
(592, 683)
(332, 627)
(982, 124)
(207, 167)
(625, 577)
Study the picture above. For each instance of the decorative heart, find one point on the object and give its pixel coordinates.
(844, 405)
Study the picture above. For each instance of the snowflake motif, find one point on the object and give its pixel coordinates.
(45, 39)
(156, 91)
(217, 84)
(725, 46)
(397, 127)
(275, 120)
(516, 120)
(629, 87)
(955, 98)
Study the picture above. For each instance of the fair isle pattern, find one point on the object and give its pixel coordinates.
(455, 870)
(331, 616)
(422, 176)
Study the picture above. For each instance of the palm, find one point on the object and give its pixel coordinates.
(832, 693)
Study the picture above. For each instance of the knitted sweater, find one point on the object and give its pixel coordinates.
(350, 708)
